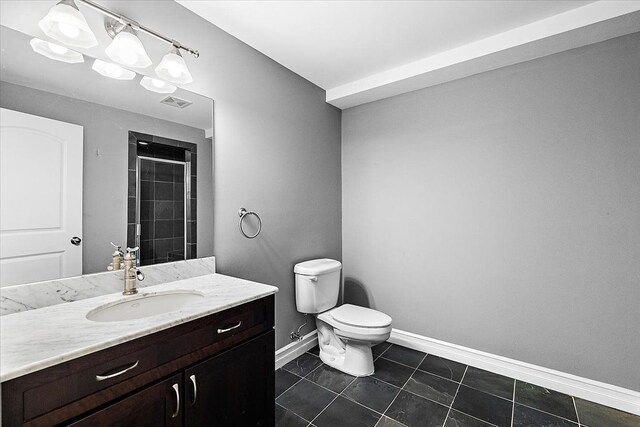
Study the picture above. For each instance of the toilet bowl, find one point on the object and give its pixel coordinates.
(346, 333)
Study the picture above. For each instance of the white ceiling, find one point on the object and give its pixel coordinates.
(360, 51)
(332, 43)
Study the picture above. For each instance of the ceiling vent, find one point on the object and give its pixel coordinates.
(176, 102)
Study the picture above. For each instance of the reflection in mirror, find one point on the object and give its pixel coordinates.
(165, 179)
(73, 142)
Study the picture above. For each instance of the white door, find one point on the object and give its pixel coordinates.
(40, 199)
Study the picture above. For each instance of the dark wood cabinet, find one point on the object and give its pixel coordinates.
(155, 406)
(220, 367)
(232, 389)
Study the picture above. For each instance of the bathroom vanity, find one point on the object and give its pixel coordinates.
(209, 363)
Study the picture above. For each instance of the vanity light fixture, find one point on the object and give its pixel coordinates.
(173, 68)
(157, 85)
(114, 71)
(126, 48)
(65, 23)
(55, 51)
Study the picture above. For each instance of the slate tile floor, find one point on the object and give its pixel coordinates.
(410, 388)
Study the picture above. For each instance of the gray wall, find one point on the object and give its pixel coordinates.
(277, 152)
(104, 203)
(502, 211)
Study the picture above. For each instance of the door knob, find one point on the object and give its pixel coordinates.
(76, 241)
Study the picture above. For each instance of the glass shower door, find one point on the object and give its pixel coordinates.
(161, 210)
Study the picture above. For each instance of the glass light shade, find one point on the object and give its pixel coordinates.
(173, 69)
(55, 51)
(66, 24)
(112, 70)
(127, 49)
(156, 85)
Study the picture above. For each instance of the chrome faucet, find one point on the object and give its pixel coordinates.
(117, 262)
(131, 272)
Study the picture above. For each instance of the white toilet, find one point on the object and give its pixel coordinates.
(346, 333)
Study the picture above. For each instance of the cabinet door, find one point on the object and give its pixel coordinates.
(156, 406)
(235, 388)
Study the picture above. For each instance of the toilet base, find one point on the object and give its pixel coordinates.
(356, 359)
(351, 356)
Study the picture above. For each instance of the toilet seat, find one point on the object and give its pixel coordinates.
(354, 315)
(346, 323)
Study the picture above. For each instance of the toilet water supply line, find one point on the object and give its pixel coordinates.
(295, 336)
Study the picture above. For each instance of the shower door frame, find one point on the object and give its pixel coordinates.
(185, 200)
(138, 140)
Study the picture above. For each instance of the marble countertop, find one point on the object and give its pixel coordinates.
(37, 339)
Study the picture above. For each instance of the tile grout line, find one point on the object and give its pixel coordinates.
(575, 407)
(382, 415)
(426, 398)
(448, 379)
(334, 399)
(324, 409)
(513, 404)
(484, 390)
(455, 395)
(436, 375)
(576, 423)
(337, 394)
(405, 383)
(549, 413)
(321, 386)
(289, 410)
(440, 376)
(400, 363)
(291, 386)
(407, 391)
(348, 397)
(297, 382)
(282, 368)
(383, 352)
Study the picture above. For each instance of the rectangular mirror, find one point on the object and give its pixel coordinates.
(88, 160)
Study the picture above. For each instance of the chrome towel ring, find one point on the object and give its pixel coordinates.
(243, 213)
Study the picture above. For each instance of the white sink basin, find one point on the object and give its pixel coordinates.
(144, 305)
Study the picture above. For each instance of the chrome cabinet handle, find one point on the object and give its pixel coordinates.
(195, 389)
(106, 377)
(177, 390)
(222, 331)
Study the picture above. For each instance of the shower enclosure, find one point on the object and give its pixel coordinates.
(163, 186)
(162, 211)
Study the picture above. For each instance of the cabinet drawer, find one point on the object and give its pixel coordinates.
(157, 405)
(51, 395)
(77, 386)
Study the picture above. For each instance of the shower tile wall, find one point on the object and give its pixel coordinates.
(161, 212)
(162, 148)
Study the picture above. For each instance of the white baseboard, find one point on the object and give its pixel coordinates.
(295, 349)
(595, 391)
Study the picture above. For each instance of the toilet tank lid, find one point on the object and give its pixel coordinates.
(317, 266)
(355, 315)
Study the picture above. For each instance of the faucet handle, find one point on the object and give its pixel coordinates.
(118, 249)
(132, 250)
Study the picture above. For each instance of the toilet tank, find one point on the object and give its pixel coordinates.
(317, 285)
